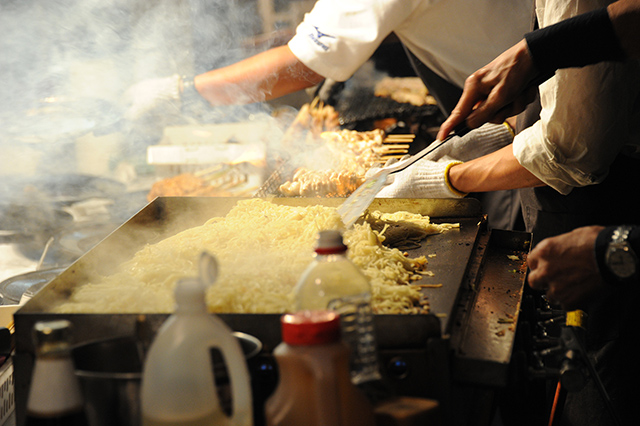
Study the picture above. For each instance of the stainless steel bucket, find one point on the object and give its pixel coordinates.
(110, 373)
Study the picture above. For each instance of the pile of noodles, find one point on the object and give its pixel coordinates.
(262, 249)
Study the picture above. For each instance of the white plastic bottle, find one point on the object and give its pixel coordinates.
(332, 281)
(178, 385)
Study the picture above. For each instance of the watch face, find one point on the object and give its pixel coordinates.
(622, 263)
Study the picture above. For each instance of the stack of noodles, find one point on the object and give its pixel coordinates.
(262, 249)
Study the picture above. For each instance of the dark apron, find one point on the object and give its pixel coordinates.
(612, 326)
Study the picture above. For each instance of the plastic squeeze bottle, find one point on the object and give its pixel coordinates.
(332, 281)
(55, 396)
(178, 384)
(315, 387)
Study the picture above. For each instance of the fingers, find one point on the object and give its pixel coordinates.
(450, 123)
(537, 280)
(538, 263)
(475, 91)
(480, 103)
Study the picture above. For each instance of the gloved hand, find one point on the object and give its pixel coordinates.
(156, 96)
(477, 143)
(391, 161)
(423, 179)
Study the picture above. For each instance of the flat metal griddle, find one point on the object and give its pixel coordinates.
(168, 215)
(450, 254)
(481, 283)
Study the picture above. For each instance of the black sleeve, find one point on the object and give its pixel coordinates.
(585, 39)
(601, 247)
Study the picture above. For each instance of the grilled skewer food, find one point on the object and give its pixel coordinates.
(353, 154)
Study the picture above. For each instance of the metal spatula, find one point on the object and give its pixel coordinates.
(362, 197)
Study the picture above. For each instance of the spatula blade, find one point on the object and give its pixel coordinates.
(361, 199)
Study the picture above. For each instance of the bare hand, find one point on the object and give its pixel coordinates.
(565, 267)
(496, 91)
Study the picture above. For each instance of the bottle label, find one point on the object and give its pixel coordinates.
(356, 322)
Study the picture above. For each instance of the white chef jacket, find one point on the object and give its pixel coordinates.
(453, 38)
(588, 114)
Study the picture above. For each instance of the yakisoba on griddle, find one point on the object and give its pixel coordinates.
(262, 249)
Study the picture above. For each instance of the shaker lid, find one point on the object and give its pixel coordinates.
(52, 336)
(310, 327)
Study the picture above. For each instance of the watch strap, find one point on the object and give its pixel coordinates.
(192, 101)
(602, 242)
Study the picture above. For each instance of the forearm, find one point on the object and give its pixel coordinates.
(267, 75)
(497, 171)
(582, 40)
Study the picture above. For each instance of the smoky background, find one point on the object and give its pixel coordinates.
(82, 55)
(65, 66)
(49, 47)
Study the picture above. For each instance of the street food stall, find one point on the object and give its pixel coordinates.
(120, 188)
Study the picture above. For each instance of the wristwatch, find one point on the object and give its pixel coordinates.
(620, 257)
(189, 87)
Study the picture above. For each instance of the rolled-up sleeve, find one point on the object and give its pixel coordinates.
(584, 123)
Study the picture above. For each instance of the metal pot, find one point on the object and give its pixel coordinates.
(30, 227)
(60, 118)
(110, 373)
(12, 289)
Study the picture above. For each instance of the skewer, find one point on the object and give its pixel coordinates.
(399, 138)
(315, 102)
(401, 135)
(387, 154)
(393, 138)
(389, 148)
(386, 157)
(392, 146)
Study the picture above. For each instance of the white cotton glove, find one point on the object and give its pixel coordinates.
(391, 161)
(156, 96)
(477, 143)
(423, 179)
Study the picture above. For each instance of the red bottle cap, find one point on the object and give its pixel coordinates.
(330, 242)
(310, 327)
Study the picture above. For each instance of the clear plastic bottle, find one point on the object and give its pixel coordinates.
(55, 397)
(315, 388)
(178, 384)
(332, 281)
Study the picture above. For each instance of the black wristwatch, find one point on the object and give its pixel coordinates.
(189, 91)
(620, 258)
(192, 101)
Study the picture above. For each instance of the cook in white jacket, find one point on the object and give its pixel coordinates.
(579, 155)
(451, 37)
(446, 40)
